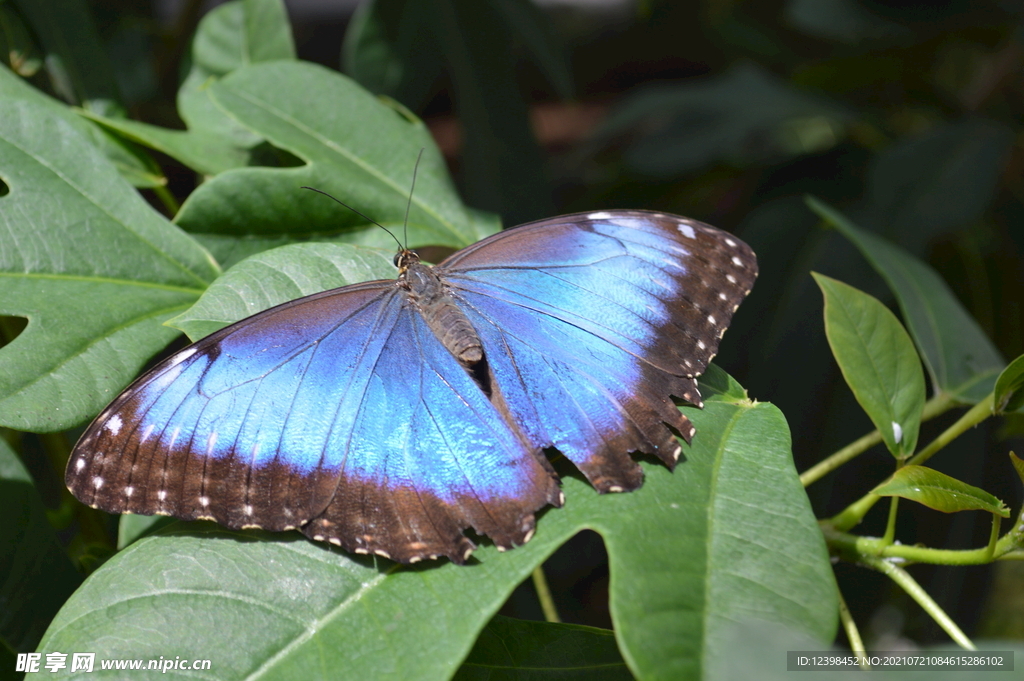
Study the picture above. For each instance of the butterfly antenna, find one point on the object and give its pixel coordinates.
(408, 205)
(365, 217)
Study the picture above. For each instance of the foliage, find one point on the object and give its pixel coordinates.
(904, 123)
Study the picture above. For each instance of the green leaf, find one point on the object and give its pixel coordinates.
(1008, 394)
(229, 37)
(133, 165)
(502, 165)
(356, 148)
(131, 527)
(1018, 465)
(728, 534)
(519, 650)
(929, 184)
(744, 116)
(36, 576)
(75, 57)
(961, 360)
(90, 265)
(878, 361)
(17, 48)
(939, 491)
(387, 51)
(277, 276)
(531, 26)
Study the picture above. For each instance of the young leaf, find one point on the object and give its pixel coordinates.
(518, 649)
(939, 491)
(961, 360)
(1008, 393)
(92, 267)
(878, 361)
(687, 552)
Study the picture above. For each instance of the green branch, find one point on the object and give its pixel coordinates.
(914, 590)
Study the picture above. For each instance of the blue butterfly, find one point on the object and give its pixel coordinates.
(387, 417)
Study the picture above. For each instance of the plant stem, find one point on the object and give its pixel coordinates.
(852, 633)
(932, 408)
(847, 453)
(857, 549)
(547, 604)
(975, 415)
(914, 590)
(855, 512)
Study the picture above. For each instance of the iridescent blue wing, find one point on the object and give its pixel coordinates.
(589, 322)
(340, 414)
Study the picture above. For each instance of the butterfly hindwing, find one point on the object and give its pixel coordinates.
(340, 414)
(590, 321)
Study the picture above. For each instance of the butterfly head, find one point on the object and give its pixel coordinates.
(404, 259)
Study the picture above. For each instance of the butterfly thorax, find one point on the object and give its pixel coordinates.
(430, 297)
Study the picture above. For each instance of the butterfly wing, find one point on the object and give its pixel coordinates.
(340, 414)
(589, 323)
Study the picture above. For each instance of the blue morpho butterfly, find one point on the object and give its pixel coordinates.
(387, 417)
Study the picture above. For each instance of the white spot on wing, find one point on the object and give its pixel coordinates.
(599, 216)
(732, 279)
(80, 464)
(183, 355)
(248, 509)
(614, 488)
(711, 319)
(97, 482)
(730, 242)
(129, 490)
(529, 536)
(204, 501)
(147, 432)
(897, 432)
(687, 231)
(161, 495)
(700, 344)
(114, 424)
(736, 261)
(211, 442)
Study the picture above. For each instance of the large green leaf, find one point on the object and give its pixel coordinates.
(960, 358)
(134, 166)
(728, 536)
(277, 276)
(878, 361)
(229, 37)
(520, 650)
(90, 265)
(36, 576)
(356, 148)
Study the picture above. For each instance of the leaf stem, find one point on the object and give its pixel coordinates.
(932, 408)
(167, 198)
(914, 590)
(855, 512)
(890, 526)
(547, 603)
(852, 633)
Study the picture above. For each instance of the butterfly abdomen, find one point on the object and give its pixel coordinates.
(442, 314)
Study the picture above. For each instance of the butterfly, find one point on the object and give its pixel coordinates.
(388, 417)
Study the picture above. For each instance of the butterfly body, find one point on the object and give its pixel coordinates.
(389, 416)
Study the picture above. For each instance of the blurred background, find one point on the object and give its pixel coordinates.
(905, 115)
